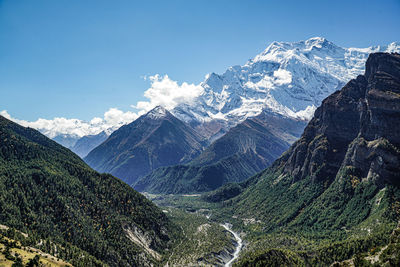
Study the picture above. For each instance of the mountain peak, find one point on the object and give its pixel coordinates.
(316, 40)
(289, 78)
(382, 62)
(320, 43)
(156, 139)
(157, 113)
(274, 47)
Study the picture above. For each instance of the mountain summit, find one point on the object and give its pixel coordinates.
(290, 79)
(154, 140)
(157, 113)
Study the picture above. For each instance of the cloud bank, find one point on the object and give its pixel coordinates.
(162, 92)
(112, 120)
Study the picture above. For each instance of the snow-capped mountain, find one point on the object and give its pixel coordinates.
(290, 79)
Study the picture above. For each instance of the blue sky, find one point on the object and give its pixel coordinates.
(77, 59)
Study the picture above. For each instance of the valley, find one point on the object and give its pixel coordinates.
(222, 245)
(239, 244)
(333, 197)
(292, 159)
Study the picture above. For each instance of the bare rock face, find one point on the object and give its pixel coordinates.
(382, 99)
(357, 126)
(376, 153)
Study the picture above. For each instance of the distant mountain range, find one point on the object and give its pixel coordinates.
(154, 140)
(81, 145)
(288, 78)
(87, 143)
(66, 140)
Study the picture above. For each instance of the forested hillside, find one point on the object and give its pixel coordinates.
(49, 193)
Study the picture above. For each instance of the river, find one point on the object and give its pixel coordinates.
(239, 243)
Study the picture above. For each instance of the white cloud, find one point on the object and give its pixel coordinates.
(162, 92)
(115, 116)
(282, 76)
(112, 120)
(167, 93)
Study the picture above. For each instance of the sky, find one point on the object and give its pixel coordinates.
(82, 59)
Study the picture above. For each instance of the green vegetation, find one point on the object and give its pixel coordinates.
(271, 257)
(47, 192)
(303, 222)
(320, 226)
(13, 253)
(223, 193)
(244, 150)
(203, 242)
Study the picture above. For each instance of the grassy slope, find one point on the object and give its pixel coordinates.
(26, 254)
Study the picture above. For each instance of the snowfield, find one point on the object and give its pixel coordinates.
(291, 79)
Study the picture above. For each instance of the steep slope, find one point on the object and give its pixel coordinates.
(246, 149)
(289, 78)
(335, 194)
(345, 169)
(154, 140)
(87, 143)
(49, 193)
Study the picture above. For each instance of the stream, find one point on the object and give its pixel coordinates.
(239, 242)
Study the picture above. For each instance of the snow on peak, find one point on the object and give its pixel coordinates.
(157, 113)
(393, 47)
(290, 79)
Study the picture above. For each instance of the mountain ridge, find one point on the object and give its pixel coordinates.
(154, 140)
(244, 150)
(289, 78)
(50, 193)
(87, 143)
